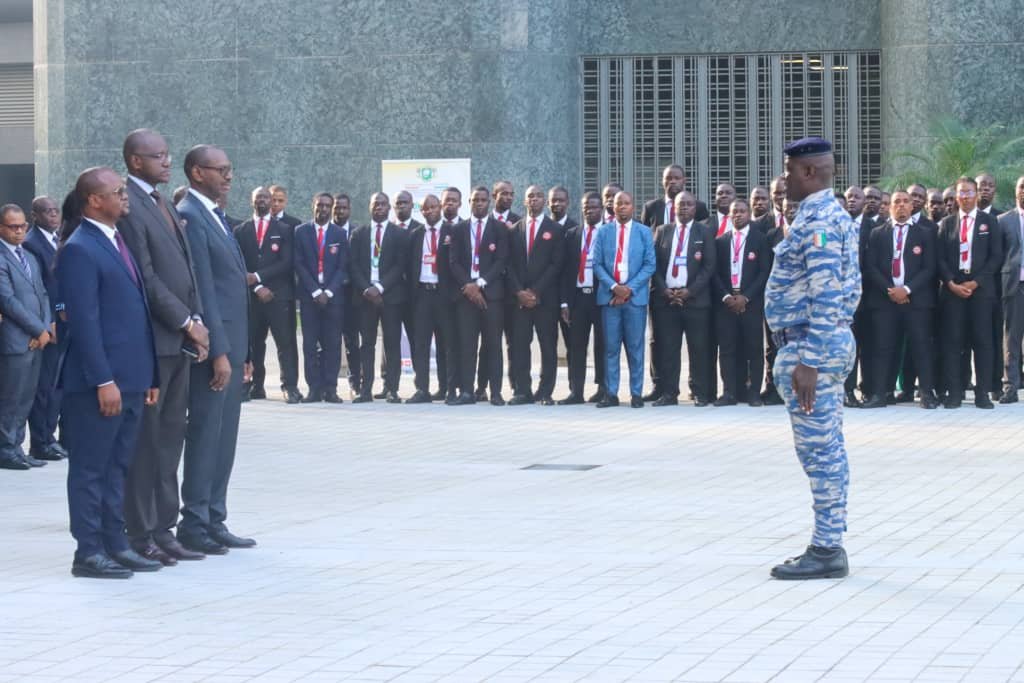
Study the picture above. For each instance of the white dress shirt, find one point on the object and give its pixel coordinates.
(624, 265)
(736, 262)
(588, 264)
(210, 206)
(728, 223)
(375, 262)
(971, 218)
(684, 232)
(427, 273)
(474, 263)
(897, 253)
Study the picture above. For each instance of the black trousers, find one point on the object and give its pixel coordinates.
(895, 325)
(584, 324)
(695, 323)
(151, 491)
(863, 335)
(997, 337)
(350, 333)
(483, 328)
(544, 321)
(770, 351)
(741, 350)
(322, 326)
(42, 419)
(408, 323)
(654, 365)
(433, 320)
(388, 317)
(278, 318)
(967, 320)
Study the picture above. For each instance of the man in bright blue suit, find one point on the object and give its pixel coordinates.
(623, 265)
(108, 373)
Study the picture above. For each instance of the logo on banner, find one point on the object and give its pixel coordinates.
(426, 173)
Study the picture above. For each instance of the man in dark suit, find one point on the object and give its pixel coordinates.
(155, 234)
(278, 204)
(558, 207)
(267, 247)
(433, 297)
(503, 194)
(1011, 226)
(321, 263)
(661, 211)
(968, 258)
(377, 263)
(24, 334)
(403, 218)
(721, 221)
(608, 193)
(900, 289)
(350, 321)
(579, 302)
(109, 372)
(862, 322)
(986, 198)
(760, 215)
(478, 254)
(743, 263)
(535, 258)
(215, 385)
(41, 242)
(451, 202)
(681, 292)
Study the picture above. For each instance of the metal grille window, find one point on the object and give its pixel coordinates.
(16, 104)
(726, 118)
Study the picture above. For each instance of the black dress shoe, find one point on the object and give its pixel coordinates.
(929, 402)
(466, 399)
(381, 394)
(520, 400)
(497, 400)
(363, 398)
(33, 462)
(951, 403)
(725, 400)
(666, 400)
(545, 401)
(636, 401)
(771, 397)
(983, 402)
(137, 563)
(419, 397)
(1009, 396)
(480, 395)
(331, 396)
(392, 397)
(12, 461)
(905, 397)
(257, 394)
(876, 401)
(314, 396)
(229, 540)
(655, 394)
(608, 402)
(151, 551)
(815, 563)
(701, 402)
(437, 396)
(755, 402)
(99, 566)
(596, 396)
(850, 400)
(452, 399)
(173, 548)
(202, 544)
(58, 449)
(46, 453)
(996, 395)
(292, 396)
(571, 400)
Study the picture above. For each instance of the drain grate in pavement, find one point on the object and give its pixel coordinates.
(570, 468)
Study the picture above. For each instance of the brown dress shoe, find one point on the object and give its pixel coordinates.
(176, 550)
(151, 551)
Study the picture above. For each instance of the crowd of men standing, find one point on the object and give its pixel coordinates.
(140, 324)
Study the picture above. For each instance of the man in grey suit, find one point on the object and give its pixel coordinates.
(155, 236)
(215, 385)
(1011, 225)
(25, 330)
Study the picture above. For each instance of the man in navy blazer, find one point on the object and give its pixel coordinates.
(42, 420)
(623, 265)
(215, 385)
(25, 329)
(108, 372)
(321, 264)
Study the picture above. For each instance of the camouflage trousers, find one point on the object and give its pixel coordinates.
(818, 435)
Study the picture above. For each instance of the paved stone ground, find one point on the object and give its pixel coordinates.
(407, 543)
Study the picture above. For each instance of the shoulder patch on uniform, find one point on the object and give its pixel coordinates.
(820, 238)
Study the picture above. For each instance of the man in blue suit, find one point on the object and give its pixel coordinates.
(215, 385)
(42, 420)
(25, 330)
(109, 371)
(321, 260)
(623, 264)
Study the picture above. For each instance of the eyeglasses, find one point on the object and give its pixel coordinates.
(224, 171)
(52, 209)
(17, 227)
(120, 192)
(965, 193)
(161, 156)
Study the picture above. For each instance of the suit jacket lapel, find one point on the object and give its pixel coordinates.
(14, 260)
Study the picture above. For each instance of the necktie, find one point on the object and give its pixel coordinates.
(20, 253)
(1021, 216)
(778, 220)
(260, 231)
(964, 253)
(376, 241)
(737, 245)
(402, 225)
(122, 248)
(722, 226)
(533, 232)
(618, 253)
(584, 254)
(162, 205)
(219, 212)
(320, 250)
(476, 246)
(672, 213)
(679, 251)
(896, 270)
(433, 249)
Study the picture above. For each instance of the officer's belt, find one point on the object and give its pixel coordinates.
(790, 334)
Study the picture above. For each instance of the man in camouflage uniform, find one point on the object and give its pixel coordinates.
(812, 293)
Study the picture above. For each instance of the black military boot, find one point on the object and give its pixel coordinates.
(815, 563)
